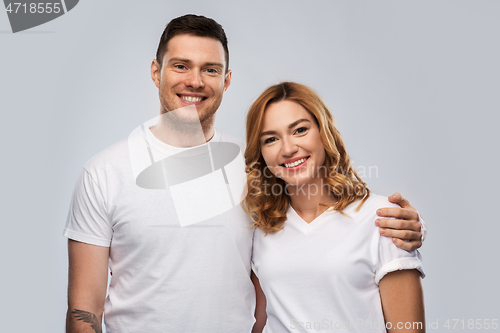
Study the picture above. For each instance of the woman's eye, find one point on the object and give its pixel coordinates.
(269, 140)
(301, 130)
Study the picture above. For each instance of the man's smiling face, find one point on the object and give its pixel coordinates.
(193, 73)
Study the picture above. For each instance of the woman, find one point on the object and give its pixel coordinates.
(320, 262)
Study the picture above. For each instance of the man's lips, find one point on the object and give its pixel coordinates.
(295, 162)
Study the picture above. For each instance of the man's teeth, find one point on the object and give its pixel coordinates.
(297, 162)
(192, 99)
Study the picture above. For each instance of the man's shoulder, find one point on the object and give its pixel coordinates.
(114, 155)
(224, 137)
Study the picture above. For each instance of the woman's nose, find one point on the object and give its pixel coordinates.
(288, 147)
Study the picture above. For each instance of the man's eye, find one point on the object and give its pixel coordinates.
(212, 70)
(269, 140)
(301, 130)
(180, 66)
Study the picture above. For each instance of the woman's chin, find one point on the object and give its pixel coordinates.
(299, 181)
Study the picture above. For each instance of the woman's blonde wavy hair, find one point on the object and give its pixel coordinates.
(268, 211)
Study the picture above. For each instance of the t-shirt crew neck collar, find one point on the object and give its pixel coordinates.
(167, 149)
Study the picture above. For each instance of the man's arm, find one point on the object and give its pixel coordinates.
(403, 301)
(87, 284)
(260, 308)
(401, 224)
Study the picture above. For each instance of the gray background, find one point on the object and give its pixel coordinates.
(414, 86)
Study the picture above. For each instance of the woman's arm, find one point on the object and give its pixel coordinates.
(403, 301)
(260, 308)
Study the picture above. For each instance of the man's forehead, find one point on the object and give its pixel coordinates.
(187, 41)
(192, 47)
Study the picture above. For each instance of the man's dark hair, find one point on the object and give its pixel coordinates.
(195, 25)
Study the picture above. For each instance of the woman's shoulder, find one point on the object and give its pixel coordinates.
(379, 201)
(370, 206)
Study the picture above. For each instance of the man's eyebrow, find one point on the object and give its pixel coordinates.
(217, 64)
(179, 59)
(292, 125)
(187, 61)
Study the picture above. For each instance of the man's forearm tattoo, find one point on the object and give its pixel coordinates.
(88, 317)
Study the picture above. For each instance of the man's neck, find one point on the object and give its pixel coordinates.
(183, 135)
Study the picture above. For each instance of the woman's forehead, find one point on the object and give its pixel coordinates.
(283, 114)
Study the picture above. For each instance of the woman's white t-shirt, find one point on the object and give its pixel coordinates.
(324, 275)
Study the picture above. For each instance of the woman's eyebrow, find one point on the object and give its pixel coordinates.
(268, 133)
(292, 125)
(295, 123)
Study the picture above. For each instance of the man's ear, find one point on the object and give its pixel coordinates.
(227, 79)
(156, 73)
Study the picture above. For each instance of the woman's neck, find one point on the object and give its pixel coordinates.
(310, 200)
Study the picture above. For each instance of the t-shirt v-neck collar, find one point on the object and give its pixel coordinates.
(294, 218)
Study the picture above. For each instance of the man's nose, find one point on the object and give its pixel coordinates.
(194, 80)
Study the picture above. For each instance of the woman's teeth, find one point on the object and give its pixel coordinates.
(297, 162)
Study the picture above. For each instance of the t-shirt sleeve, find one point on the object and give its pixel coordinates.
(392, 258)
(423, 226)
(88, 220)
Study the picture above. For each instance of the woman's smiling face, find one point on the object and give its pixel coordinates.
(291, 143)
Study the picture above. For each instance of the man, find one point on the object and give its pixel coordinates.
(169, 275)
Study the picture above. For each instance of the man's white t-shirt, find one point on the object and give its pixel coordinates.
(167, 276)
(324, 275)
